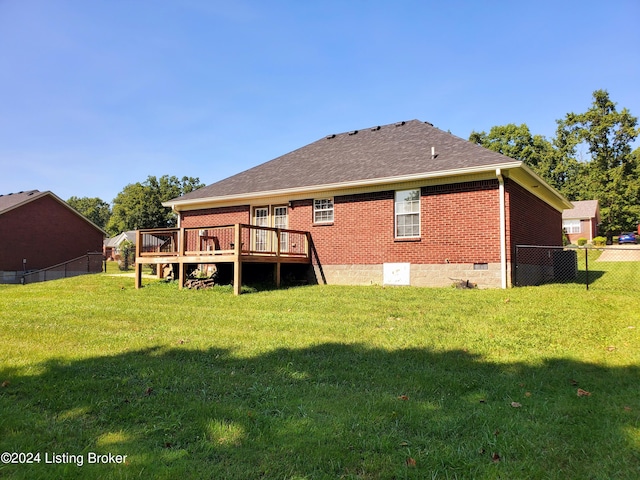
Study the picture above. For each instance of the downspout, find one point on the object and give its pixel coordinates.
(503, 230)
(179, 216)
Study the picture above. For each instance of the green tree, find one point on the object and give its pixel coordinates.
(94, 209)
(517, 142)
(611, 171)
(139, 205)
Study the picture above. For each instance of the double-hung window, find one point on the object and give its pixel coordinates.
(323, 210)
(407, 214)
(571, 226)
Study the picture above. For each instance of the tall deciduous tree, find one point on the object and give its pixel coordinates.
(94, 209)
(517, 142)
(612, 173)
(139, 205)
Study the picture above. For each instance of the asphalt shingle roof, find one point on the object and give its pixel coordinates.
(11, 200)
(394, 150)
(582, 209)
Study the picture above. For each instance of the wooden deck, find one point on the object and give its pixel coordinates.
(235, 244)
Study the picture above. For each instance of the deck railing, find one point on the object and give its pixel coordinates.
(222, 240)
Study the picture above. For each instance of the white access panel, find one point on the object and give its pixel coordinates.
(396, 273)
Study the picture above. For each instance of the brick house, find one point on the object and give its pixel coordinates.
(111, 248)
(39, 230)
(582, 220)
(400, 204)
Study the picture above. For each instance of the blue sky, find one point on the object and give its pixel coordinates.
(98, 94)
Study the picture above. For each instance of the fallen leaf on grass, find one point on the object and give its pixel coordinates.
(610, 348)
(495, 457)
(516, 404)
(403, 397)
(411, 462)
(148, 391)
(6, 383)
(583, 393)
(404, 444)
(527, 394)
(627, 409)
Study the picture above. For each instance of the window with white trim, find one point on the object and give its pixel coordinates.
(323, 210)
(407, 214)
(571, 226)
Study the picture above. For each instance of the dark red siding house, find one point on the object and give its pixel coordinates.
(400, 204)
(39, 230)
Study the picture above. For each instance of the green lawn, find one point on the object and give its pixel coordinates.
(320, 382)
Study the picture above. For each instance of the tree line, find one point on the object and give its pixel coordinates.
(138, 205)
(609, 172)
(590, 158)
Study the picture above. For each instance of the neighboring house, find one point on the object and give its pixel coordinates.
(112, 245)
(582, 220)
(400, 204)
(39, 230)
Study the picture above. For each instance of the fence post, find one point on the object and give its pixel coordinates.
(586, 265)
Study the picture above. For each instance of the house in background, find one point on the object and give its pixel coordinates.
(399, 204)
(582, 220)
(39, 230)
(111, 247)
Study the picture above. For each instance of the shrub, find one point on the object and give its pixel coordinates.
(600, 241)
(127, 255)
(582, 242)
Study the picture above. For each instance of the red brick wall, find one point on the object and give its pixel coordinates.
(530, 220)
(216, 216)
(46, 233)
(459, 223)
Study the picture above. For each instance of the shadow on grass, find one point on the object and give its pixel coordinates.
(329, 411)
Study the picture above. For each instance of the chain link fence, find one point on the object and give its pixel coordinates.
(614, 267)
(90, 263)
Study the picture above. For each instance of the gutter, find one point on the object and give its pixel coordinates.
(194, 203)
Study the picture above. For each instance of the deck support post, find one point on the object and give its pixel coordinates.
(180, 275)
(237, 263)
(138, 275)
(278, 274)
(237, 277)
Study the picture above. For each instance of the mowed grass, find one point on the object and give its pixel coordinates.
(320, 382)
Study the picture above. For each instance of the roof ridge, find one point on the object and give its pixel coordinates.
(376, 128)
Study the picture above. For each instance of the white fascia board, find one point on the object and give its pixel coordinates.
(534, 184)
(246, 198)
